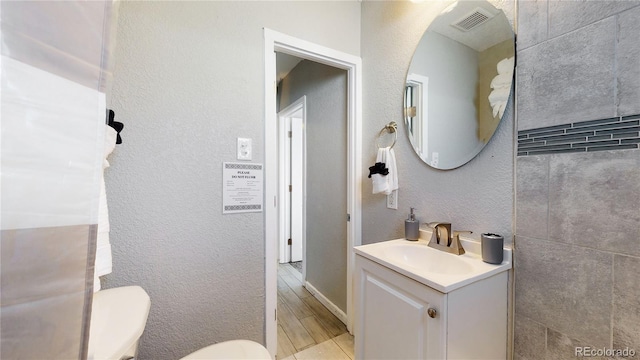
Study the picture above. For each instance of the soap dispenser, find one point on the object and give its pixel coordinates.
(412, 227)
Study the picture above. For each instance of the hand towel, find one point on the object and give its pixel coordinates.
(380, 181)
(103, 264)
(392, 178)
(386, 183)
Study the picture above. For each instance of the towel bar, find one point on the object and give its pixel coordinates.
(391, 128)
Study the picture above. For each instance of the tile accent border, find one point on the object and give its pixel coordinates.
(618, 133)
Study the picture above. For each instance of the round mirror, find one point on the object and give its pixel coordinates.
(459, 83)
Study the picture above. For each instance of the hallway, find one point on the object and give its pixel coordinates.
(306, 329)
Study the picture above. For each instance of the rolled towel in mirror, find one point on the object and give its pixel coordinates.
(498, 95)
(505, 65)
(498, 100)
(498, 109)
(502, 80)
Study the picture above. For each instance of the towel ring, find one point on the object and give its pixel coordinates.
(391, 128)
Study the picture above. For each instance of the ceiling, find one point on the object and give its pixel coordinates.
(495, 30)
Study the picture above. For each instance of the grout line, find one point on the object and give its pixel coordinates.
(284, 303)
(290, 342)
(613, 298)
(340, 347)
(319, 323)
(548, 196)
(559, 241)
(616, 37)
(546, 340)
(316, 316)
(547, 38)
(581, 26)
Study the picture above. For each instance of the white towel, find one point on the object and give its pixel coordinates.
(505, 65)
(386, 183)
(380, 181)
(499, 95)
(501, 85)
(502, 80)
(392, 177)
(103, 264)
(498, 100)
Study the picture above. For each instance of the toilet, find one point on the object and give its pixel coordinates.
(233, 349)
(118, 319)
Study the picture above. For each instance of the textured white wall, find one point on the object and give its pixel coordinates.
(477, 196)
(188, 81)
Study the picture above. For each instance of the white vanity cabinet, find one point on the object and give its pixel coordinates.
(398, 317)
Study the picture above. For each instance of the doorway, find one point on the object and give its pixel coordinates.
(292, 150)
(275, 41)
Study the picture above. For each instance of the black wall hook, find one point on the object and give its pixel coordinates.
(118, 126)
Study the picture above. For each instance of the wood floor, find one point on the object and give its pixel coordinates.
(306, 329)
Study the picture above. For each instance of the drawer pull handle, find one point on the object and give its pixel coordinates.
(432, 312)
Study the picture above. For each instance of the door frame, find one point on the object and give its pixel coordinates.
(421, 83)
(284, 115)
(275, 41)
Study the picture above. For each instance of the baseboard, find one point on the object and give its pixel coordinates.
(326, 302)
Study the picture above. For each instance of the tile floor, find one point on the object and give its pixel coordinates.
(306, 329)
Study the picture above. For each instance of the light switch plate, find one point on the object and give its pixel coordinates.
(244, 149)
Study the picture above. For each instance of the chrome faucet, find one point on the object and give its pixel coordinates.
(443, 239)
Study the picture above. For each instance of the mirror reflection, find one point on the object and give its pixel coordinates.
(459, 83)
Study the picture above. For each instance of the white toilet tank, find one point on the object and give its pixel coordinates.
(118, 318)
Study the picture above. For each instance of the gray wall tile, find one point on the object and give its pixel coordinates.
(532, 23)
(569, 78)
(565, 287)
(561, 347)
(532, 196)
(593, 200)
(566, 16)
(628, 55)
(569, 75)
(529, 339)
(626, 300)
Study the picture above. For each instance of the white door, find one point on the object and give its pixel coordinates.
(292, 155)
(297, 184)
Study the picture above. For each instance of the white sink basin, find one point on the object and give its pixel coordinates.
(424, 258)
(435, 268)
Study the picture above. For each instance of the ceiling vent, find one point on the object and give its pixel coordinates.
(472, 20)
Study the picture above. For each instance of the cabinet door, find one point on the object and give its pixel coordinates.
(391, 316)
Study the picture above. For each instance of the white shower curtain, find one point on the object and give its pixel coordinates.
(54, 71)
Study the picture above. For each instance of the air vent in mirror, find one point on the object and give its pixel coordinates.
(474, 19)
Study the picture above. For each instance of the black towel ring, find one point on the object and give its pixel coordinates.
(391, 128)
